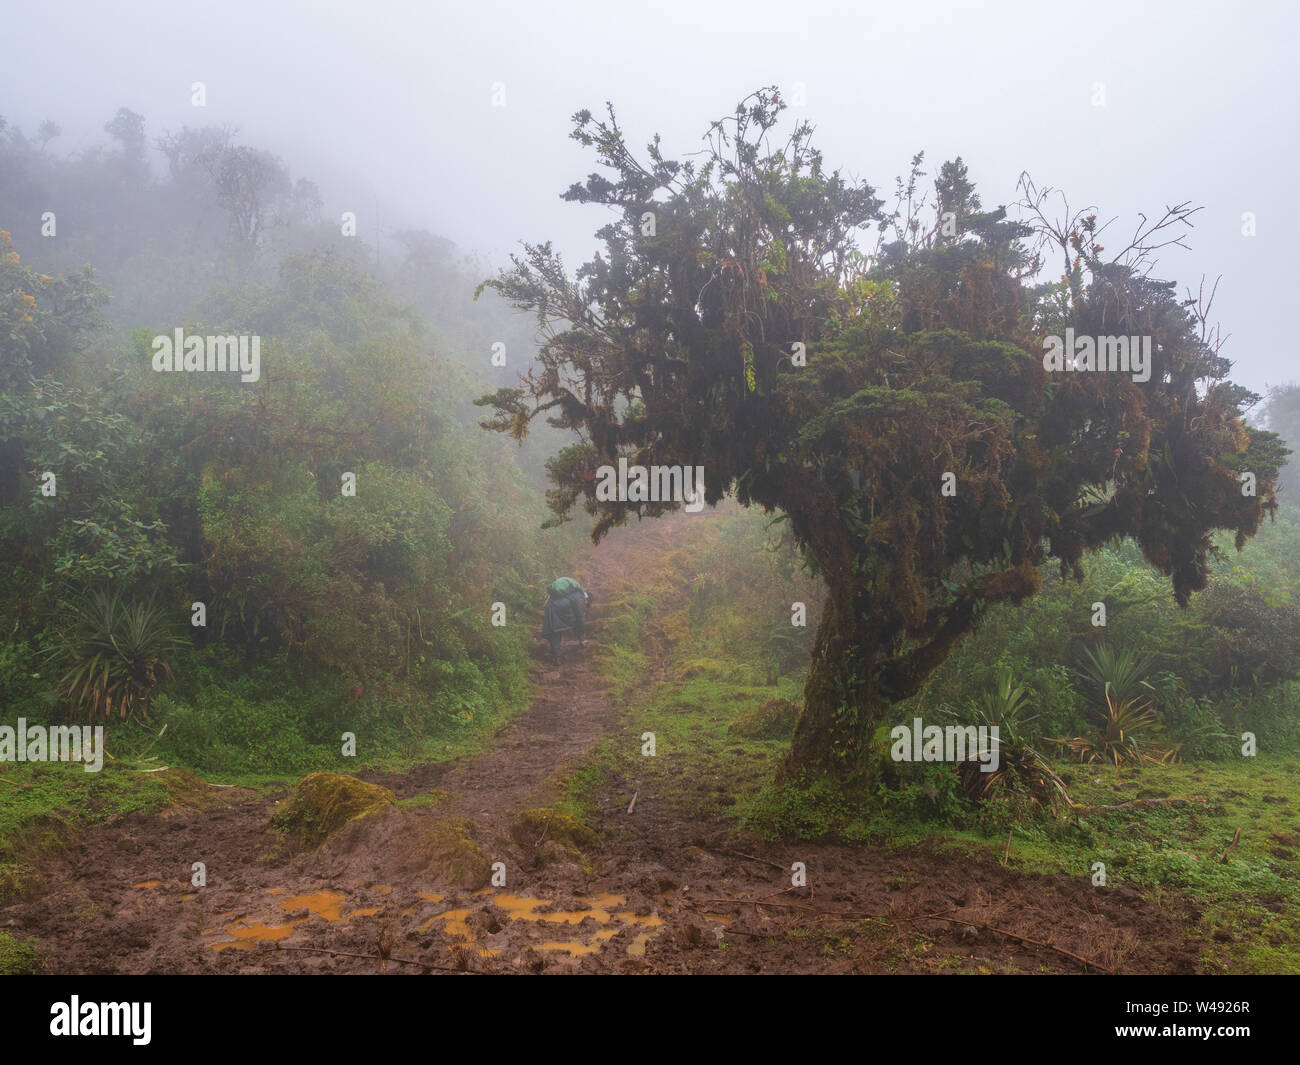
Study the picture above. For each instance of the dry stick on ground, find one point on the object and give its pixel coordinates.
(752, 858)
(632, 805)
(1023, 939)
(1236, 838)
(376, 957)
(545, 830)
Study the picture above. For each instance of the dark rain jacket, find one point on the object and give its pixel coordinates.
(566, 607)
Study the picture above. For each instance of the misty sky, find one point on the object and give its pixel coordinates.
(387, 106)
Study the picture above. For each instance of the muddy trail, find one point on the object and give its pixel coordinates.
(656, 890)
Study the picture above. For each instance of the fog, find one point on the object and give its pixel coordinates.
(777, 566)
(389, 107)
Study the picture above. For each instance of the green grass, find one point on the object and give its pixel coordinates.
(18, 957)
(1247, 907)
(44, 807)
(700, 767)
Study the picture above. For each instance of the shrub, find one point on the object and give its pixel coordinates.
(1021, 773)
(113, 654)
(800, 809)
(1126, 726)
(1272, 713)
(1196, 726)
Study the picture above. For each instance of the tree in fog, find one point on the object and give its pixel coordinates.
(877, 376)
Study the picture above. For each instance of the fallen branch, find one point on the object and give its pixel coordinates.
(632, 805)
(1023, 939)
(752, 858)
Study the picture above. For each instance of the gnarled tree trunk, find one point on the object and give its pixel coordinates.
(841, 701)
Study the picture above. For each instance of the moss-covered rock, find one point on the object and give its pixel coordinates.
(531, 827)
(774, 720)
(322, 803)
(452, 857)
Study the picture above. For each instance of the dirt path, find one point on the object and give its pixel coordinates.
(660, 891)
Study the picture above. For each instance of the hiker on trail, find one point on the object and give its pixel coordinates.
(566, 610)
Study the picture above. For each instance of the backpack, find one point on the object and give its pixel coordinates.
(562, 586)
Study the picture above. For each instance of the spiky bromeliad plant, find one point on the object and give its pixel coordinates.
(1021, 769)
(113, 654)
(1127, 725)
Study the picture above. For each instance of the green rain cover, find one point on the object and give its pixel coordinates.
(563, 586)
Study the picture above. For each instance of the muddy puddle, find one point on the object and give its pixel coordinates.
(504, 921)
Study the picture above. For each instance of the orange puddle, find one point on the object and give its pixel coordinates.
(148, 884)
(326, 904)
(604, 911)
(649, 920)
(247, 938)
(572, 947)
(457, 927)
(455, 923)
(519, 908)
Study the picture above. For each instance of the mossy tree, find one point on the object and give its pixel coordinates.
(736, 322)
